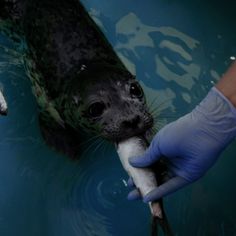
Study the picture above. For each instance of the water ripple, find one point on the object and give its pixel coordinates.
(96, 195)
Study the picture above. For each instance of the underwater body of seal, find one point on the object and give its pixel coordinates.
(178, 50)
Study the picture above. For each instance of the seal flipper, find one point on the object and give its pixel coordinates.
(61, 138)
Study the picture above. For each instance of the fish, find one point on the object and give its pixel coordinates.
(144, 180)
(3, 105)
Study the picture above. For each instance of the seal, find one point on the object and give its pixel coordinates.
(80, 84)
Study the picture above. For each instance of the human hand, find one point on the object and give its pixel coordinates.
(190, 145)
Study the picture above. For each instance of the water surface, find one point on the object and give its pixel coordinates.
(178, 50)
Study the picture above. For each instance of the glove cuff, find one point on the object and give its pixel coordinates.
(218, 116)
(218, 93)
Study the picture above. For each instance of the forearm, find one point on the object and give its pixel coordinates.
(227, 84)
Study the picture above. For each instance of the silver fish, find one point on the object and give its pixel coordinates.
(3, 104)
(144, 179)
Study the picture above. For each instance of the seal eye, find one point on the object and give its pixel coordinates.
(96, 109)
(135, 90)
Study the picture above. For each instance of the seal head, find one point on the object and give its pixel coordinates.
(113, 104)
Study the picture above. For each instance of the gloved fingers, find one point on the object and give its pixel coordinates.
(151, 155)
(130, 183)
(134, 195)
(167, 188)
(167, 176)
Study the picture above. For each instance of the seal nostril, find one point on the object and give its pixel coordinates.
(132, 123)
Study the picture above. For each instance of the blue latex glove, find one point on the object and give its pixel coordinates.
(191, 144)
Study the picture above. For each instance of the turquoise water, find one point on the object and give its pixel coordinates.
(178, 50)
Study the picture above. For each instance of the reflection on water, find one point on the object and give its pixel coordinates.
(177, 53)
(135, 35)
(167, 44)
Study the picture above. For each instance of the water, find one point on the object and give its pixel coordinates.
(178, 50)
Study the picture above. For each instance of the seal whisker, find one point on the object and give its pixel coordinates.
(159, 125)
(156, 118)
(99, 145)
(105, 149)
(91, 139)
(152, 102)
(164, 102)
(153, 130)
(160, 105)
(165, 116)
(159, 119)
(157, 110)
(84, 152)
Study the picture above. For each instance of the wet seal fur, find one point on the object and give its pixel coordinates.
(79, 82)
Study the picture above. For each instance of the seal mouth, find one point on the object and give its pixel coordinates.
(144, 134)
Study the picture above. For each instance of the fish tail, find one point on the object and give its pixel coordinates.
(154, 226)
(166, 228)
(164, 225)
